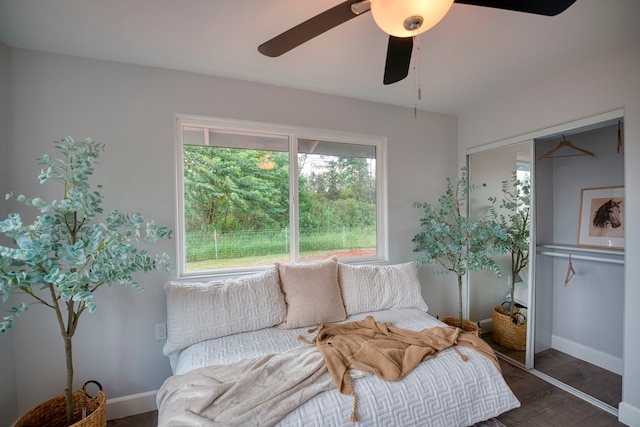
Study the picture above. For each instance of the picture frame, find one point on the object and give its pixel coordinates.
(601, 221)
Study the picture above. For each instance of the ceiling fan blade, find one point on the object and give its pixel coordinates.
(398, 59)
(539, 7)
(310, 28)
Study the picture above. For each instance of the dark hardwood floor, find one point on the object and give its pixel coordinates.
(149, 419)
(517, 355)
(597, 382)
(593, 380)
(542, 404)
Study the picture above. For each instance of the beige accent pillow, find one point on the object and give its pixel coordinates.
(368, 288)
(311, 292)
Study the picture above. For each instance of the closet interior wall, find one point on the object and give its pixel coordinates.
(585, 317)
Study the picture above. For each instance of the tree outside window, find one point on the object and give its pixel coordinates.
(237, 209)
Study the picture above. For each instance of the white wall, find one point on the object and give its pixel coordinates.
(131, 109)
(8, 400)
(601, 84)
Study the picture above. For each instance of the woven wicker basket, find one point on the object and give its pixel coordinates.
(53, 413)
(469, 326)
(505, 332)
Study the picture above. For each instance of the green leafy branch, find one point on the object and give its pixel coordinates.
(512, 213)
(67, 254)
(452, 240)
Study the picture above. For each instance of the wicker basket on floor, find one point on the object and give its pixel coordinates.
(53, 413)
(505, 332)
(469, 326)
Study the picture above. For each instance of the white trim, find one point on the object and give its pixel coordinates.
(134, 404)
(382, 200)
(293, 133)
(574, 391)
(563, 386)
(179, 172)
(530, 274)
(127, 406)
(581, 124)
(628, 414)
(588, 354)
(486, 325)
(294, 211)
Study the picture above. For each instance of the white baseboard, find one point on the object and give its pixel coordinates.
(595, 357)
(127, 406)
(134, 404)
(486, 325)
(629, 414)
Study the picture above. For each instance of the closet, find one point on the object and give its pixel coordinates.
(573, 285)
(578, 280)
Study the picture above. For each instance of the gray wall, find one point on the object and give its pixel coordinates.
(131, 110)
(8, 402)
(601, 84)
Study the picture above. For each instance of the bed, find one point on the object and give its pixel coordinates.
(224, 334)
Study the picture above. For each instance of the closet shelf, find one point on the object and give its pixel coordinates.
(581, 253)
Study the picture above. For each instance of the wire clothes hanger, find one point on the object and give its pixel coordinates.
(619, 142)
(568, 144)
(570, 272)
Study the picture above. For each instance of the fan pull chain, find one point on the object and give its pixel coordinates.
(417, 40)
(416, 76)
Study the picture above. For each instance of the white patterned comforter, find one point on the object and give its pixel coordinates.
(443, 392)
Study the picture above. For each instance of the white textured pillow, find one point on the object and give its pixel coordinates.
(201, 311)
(371, 287)
(311, 292)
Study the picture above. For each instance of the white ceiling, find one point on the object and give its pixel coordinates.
(471, 56)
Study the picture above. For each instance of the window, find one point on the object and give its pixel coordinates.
(523, 167)
(250, 194)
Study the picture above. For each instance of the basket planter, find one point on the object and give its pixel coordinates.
(62, 250)
(505, 332)
(53, 413)
(469, 326)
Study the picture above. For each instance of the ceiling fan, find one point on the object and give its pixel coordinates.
(401, 19)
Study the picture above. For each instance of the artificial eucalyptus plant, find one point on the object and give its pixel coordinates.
(512, 213)
(71, 250)
(454, 241)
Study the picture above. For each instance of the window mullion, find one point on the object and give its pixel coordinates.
(294, 224)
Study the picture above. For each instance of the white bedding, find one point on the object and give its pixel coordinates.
(444, 391)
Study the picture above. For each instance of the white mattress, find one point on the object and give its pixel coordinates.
(444, 391)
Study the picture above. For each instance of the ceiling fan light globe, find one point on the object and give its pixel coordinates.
(391, 15)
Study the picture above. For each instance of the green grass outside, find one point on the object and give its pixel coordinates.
(254, 261)
(250, 244)
(244, 249)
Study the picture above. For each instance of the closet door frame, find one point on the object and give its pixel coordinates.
(583, 124)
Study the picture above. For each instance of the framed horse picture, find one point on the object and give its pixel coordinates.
(601, 222)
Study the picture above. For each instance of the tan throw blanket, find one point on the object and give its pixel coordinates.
(386, 351)
(255, 392)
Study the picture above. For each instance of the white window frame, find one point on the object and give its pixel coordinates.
(293, 133)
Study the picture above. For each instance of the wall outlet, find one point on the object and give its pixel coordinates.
(161, 331)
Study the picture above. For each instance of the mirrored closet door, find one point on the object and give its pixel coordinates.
(500, 179)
